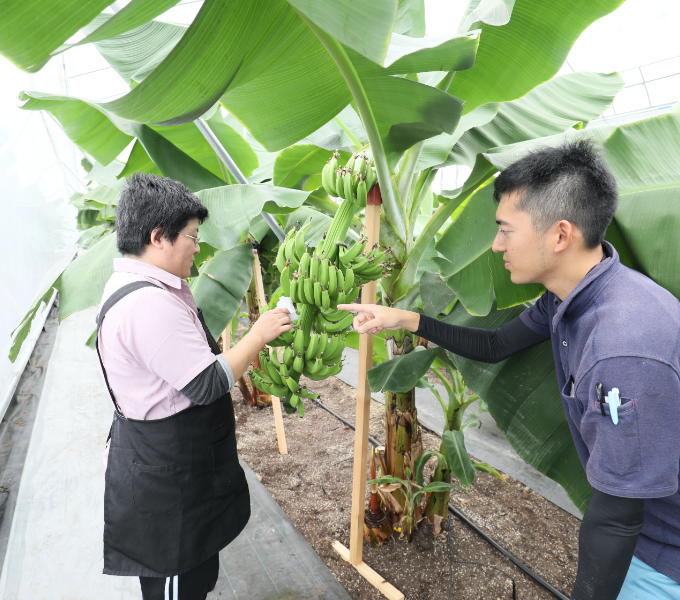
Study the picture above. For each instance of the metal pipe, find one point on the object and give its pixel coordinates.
(223, 155)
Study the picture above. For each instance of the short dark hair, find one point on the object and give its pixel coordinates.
(569, 182)
(149, 202)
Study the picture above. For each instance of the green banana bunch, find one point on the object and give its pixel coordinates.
(317, 282)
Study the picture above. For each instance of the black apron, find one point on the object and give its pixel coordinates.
(175, 494)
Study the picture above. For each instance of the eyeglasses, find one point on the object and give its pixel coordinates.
(196, 239)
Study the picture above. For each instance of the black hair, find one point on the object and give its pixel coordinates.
(149, 202)
(569, 182)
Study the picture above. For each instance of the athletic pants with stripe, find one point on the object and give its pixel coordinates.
(192, 585)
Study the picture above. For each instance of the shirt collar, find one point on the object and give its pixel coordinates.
(132, 265)
(582, 295)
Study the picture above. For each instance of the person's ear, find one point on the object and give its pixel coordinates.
(157, 237)
(564, 234)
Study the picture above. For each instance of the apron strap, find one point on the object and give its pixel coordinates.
(113, 299)
(214, 347)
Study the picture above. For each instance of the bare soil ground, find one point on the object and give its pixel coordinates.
(313, 486)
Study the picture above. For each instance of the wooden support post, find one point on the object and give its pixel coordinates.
(377, 581)
(276, 403)
(356, 537)
(368, 294)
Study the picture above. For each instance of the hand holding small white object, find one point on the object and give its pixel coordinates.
(373, 318)
(287, 303)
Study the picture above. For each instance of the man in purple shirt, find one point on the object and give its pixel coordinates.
(615, 336)
(175, 494)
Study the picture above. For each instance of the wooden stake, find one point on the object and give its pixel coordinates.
(276, 403)
(368, 294)
(385, 588)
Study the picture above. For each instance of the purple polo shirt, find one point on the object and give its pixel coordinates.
(152, 342)
(619, 328)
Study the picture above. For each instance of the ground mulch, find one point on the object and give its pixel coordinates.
(313, 486)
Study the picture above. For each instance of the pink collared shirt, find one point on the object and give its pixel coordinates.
(152, 342)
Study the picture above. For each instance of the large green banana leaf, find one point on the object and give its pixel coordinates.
(526, 51)
(551, 108)
(179, 152)
(221, 285)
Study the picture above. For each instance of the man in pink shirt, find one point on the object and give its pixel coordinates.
(175, 494)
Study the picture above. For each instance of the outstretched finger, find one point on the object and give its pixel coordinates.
(357, 307)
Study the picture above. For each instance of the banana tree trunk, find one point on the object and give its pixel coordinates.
(403, 443)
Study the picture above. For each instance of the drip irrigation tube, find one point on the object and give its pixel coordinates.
(452, 509)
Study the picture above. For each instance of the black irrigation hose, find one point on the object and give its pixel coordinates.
(520, 565)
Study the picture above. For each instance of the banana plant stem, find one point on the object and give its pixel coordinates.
(357, 144)
(408, 169)
(394, 211)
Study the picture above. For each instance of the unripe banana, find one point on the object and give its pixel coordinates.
(323, 342)
(317, 293)
(313, 367)
(325, 300)
(298, 363)
(323, 272)
(303, 392)
(362, 192)
(274, 370)
(288, 356)
(333, 281)
(357, 248)
(284, 339)
(359, 264)
(350, 163)
(283, 370)
(299, 342)
(312, 350)
(304, 264)
(294, 400)
(281, 256)
(314, 268)
(285, 279)
(348, 284)
(347, 182)
(300, 247)
(293, 289)
(334, 369)
(333, 342)
(309, 291)
(321, 374)
(351, 296)
(371, 179)
(341, 297)
(290, 251)
(343, 323)
(328, 179)
(363, 166)
(293, 385)
(339, 185)
(334, 161)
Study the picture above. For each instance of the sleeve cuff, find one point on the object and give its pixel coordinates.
(226, 374)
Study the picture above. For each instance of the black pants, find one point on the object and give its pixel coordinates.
(192, 585)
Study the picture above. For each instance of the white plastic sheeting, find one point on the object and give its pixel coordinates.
(55, 544)
(38, 167)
